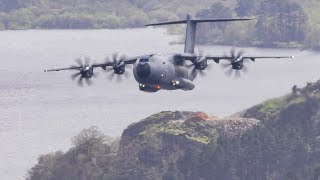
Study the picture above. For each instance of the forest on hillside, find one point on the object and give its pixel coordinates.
(278, 139)
(87, 14)
(286, 23)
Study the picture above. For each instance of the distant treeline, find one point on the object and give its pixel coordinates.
(285, 23)
(68, 14)
(88, 14)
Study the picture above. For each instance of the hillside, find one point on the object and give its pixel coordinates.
(278, 139)
(90, 14)
(287, 23)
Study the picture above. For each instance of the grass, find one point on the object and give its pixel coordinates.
(189, 130)
(200, 139)
(274, 105)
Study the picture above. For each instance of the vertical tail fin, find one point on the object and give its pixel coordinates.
(190, 38)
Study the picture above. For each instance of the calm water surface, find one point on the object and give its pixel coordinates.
(40, 112)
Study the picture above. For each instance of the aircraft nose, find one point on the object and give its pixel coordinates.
(143, 70)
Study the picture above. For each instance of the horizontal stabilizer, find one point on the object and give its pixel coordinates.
(192, 28)
(168, 23)
(198, 21)
(219, 20)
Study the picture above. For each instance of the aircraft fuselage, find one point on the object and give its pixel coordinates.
(157, 72)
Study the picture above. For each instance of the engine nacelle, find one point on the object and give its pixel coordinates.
(119, 69)
(201, 63)
(86, 72)
(237, 65)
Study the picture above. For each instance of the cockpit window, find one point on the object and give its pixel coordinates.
(178, 59)
(144, 59)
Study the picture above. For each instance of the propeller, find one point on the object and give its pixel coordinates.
(85, 71)
(236, 64)
(118, 69)
(199, 65)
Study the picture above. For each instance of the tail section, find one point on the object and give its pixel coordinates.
(190, 39)
(192, 28)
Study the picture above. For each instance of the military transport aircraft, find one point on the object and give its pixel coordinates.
(156, 72)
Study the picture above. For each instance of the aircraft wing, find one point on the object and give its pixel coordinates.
(95, 65)
(217, 59)
(125, 60)
(252, 58)
(63, 69)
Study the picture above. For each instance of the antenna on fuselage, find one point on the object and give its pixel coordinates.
(190, 38)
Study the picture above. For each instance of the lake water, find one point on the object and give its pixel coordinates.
(40, 112)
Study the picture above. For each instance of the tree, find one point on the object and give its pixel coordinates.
(217, 10)
(213, 32)
(283, 21)
(21, 19)
(247, 7)
(83, 161)
(313, 37)
(91, 140)
(9, 5)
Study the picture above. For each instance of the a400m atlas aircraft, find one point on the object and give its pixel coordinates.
(156, 72)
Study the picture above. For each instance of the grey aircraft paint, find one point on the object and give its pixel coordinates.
(165, 72)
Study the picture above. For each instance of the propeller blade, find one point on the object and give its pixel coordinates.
(238, 74)
(74, 76)
(229, 72)
(236, 61)
(80, 82)
(194, 72)
(126, 74)
(115, 57)
(75, 67)
(111, 76)
(209, 67)
(89, 81)
(225, 65)
(201, 52)
(240, 54)
(245, 69)
(119, 79)
(78, 61)
(87, 61)
(95, 75)
(202, 73)
(129, 66)
(107, 59)
(189, 65)
(247, 60)
(117, 61)
(109, 68)
(123, 57)
(233, 53)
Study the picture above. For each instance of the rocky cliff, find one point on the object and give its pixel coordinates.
(278, 139)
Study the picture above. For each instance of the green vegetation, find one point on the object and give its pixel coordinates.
(87, 14)
(182, 146)
(90, 147)
(287, 23)
(189, 130)
(274, 105)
